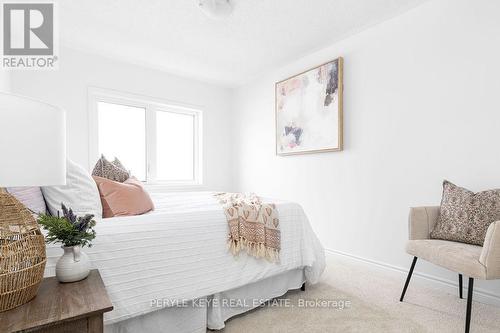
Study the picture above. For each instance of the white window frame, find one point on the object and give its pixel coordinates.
(151, 105)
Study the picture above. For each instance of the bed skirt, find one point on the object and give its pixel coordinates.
(213, 311)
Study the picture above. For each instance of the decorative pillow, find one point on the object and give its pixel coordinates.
(80, 193)
(31, 197)
(465, 216)
(116, 162)
(123, 199)
(112, 171)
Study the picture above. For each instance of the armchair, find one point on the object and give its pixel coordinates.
(474, 261)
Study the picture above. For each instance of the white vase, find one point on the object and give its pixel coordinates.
(74, 265)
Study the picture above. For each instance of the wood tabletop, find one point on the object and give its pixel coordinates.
(59, 302)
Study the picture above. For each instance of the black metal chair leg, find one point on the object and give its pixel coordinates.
(460, 286)
(303, 288)
(469, 305)
(408, 278)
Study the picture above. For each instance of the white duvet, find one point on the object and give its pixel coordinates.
(179, 252)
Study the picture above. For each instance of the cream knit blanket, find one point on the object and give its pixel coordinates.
(253, 225)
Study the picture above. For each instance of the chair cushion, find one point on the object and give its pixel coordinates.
(458, 257)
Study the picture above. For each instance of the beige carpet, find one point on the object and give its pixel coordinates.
(374, 307)
(359, 317)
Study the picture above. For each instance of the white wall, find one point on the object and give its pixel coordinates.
(67, 88)
(4, 80)
(420, 105)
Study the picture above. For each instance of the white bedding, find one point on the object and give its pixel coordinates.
(179, 252)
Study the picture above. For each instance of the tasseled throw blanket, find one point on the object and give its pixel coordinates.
(253, 225)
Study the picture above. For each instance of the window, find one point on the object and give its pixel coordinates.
(159, 142)
(122, 133)
(175, 133)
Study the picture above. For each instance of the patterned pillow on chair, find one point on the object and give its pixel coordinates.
(111, 170)
(464, 215)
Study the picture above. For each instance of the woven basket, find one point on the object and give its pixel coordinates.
(22, 254)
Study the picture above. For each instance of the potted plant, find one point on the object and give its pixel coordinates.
(74, 233)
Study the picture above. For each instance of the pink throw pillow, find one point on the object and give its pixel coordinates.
(123, 199)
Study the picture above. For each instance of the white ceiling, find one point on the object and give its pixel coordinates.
(175, 36)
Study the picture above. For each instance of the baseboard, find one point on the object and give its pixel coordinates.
(449, 286)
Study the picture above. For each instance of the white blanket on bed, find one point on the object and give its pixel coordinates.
(179, 252)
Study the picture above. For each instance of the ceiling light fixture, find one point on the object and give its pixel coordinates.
(215, 9)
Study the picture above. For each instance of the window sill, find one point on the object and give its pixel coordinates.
(172, 187)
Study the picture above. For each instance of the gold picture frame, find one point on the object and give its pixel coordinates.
(297, 101)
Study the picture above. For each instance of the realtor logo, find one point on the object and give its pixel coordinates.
(28, 36)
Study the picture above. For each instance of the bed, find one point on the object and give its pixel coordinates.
(154, 263)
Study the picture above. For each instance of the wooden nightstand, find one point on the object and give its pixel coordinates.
(61, 307)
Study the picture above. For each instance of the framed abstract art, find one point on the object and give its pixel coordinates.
(309, 110)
